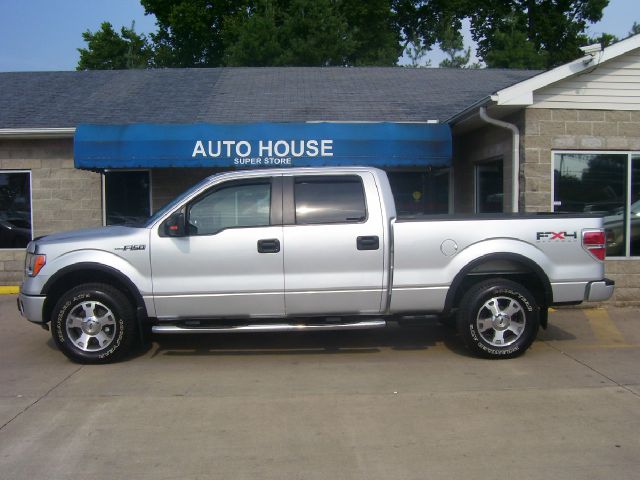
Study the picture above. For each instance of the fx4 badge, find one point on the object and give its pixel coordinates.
(556, 236)
(131, 248)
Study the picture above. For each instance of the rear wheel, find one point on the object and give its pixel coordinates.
(93, 323)
(498, 318)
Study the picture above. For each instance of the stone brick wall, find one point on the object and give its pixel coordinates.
(547, 130)
(63, 198)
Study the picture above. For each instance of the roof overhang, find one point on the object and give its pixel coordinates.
(99, 147)
(521, 94)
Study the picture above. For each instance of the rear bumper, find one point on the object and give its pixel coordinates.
(600, 291)
(30, 307)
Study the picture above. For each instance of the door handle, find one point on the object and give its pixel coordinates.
(269, 245)
(371, 242)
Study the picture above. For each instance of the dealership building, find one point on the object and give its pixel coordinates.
(85, 149)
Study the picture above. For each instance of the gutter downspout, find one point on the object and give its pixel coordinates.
(515, 155)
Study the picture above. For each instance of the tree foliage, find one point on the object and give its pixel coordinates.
(193, 33)
(509, 33)
(110, 50)
(213, 33)
(190, 31)
(452, 45)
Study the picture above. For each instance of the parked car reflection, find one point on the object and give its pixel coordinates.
(15, 230)
(614, 224)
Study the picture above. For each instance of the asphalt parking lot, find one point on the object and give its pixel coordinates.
(400, 403)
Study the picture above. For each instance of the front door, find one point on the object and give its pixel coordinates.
(230, 261)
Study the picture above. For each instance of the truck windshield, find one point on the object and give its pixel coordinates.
(175, 202)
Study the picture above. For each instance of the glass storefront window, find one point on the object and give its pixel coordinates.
(489, 187)
(15, 209)
(420, 192)
(127, 197)
(635, 206)
(598, 183)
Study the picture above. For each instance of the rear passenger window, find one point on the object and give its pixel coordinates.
(329, 199)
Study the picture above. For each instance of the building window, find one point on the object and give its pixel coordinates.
(489, 187)
(127, 196)
(606, 184)
(420, 192)
(15, 209)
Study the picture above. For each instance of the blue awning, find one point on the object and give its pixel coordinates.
(98, 147)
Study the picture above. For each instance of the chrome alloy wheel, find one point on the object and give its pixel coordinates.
(501, 321)
(91, 326)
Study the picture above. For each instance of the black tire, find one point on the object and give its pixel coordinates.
(94, 323)
(498, 318)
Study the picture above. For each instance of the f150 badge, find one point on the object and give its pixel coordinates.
(131, 248)
(557, 236)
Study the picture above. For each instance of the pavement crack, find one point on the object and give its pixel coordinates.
(46, 394)
(571, 357)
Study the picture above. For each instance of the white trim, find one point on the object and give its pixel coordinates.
(522, 93)
(38, 132)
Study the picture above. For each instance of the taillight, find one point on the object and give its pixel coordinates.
(595, 242)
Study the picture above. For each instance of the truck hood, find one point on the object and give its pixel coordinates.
(91, 237)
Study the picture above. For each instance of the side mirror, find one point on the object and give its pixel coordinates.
(174, 225)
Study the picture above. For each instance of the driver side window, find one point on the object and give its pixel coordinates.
(229, 206)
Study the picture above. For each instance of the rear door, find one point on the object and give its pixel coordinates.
(333, 244)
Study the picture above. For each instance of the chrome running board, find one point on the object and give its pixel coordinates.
(270, 327)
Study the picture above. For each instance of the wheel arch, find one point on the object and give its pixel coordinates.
(512, 266)
(88, 272)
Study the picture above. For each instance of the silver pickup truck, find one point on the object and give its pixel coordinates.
(308, 249)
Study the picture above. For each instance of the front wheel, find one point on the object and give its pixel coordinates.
(93, 323)
(498, 318)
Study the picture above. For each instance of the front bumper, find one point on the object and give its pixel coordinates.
(31, 306)
(600, 291)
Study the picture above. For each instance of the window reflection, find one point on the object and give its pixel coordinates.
(329, 200)
(595, 184)
(241, 205)
(15, 209)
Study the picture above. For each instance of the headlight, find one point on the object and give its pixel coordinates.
(34, 263)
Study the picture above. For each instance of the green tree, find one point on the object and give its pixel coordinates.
(108, 50)
(511, 48)
(211, 33)
(190, 31)
(509, 33)
(296, 32)
(452, 45)
(554, 29)
(374, 31)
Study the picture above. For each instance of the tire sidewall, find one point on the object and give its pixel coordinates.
(474, 301)
(112, 299)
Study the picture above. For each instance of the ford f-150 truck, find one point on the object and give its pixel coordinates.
(308, 249)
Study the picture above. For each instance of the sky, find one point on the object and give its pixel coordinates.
(38, 35)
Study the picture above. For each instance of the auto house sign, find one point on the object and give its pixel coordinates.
(263, 152)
